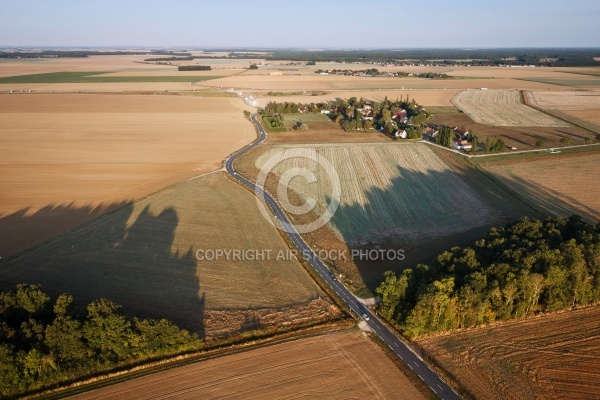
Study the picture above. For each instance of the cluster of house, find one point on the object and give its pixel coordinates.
(460, 144)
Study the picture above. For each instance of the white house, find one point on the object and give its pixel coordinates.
(401, 134)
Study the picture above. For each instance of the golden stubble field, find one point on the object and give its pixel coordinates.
(337, 365)
(156, 258)
(551, 357)
(62, 154)
(581, 107)
(562, 185)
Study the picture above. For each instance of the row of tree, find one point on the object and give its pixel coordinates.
(527, 267)
(44, 342)
(194, 68)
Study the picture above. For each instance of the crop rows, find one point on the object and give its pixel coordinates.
(404, 192)
(501, 108)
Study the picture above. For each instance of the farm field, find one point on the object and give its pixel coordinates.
(68, 158)
(423, 97)
(521, 137)
(337, 365)
(556, 185)
(397, 196)
(576, 81)
(579, 107)
(144, 256)
(338, 82)
(101, 77)
(501, 108)
(418, 190)
(551, 357)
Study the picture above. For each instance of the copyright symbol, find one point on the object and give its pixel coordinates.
(311, 161)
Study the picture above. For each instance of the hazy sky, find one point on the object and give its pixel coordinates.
(301, 23)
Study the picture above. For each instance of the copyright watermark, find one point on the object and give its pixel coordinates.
(292, 255)
(284, 183)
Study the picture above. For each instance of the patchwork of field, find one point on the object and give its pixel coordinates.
(402, 192)
(580, 107)
(551, 357)
(556, 185)
(300, 81)
(61, 154)
(338, 365)
(154, 257)
(501, 108)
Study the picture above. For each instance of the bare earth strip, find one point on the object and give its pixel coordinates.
(552, 357)
(67, 152)
(338, 365)
(501, 108)
(144, 256)
(562, 185)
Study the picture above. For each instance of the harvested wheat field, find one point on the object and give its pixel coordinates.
(67, 152)
(501, 108)
(550, 357)
(302, 81)
(560, 185)
(581, 107)
(154, 257)
(399, 191)
(338, 365)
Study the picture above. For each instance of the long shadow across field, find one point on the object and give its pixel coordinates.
(411, 214)
(129, 262)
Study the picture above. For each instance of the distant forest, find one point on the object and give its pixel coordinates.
(560, 57)
(565, 57)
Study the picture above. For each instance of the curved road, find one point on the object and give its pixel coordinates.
(402, 350)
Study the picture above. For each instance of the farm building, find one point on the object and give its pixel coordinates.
(401, 134)
(462, 145)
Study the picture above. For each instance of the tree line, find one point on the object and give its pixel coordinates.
(527, 267)
(194, 68)
(43, 342)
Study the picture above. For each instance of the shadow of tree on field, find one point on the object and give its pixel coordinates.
(129, 262)
(25, 228)
(425, 213)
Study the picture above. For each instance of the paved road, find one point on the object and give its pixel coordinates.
(402, 350)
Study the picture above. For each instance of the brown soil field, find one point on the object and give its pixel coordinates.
(561, 185)
(523, 138)
(512, 73)
(64, 153)
(145, 256)
(423, 97)
(338, 365)
(550, 357)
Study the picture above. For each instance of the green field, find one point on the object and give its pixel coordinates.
(90, 77)
(536, 154)
(443, 110)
